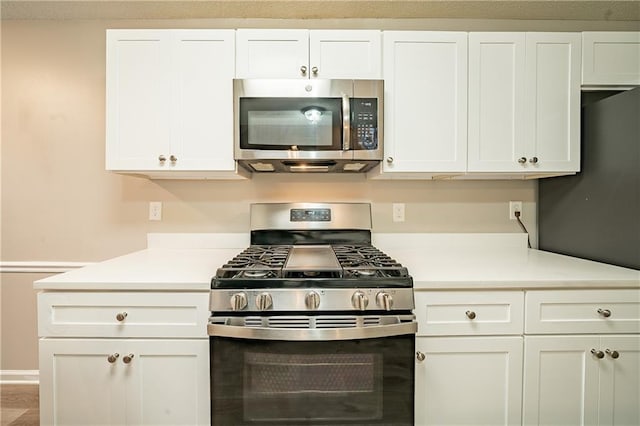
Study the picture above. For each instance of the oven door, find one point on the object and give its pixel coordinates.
(301, 379)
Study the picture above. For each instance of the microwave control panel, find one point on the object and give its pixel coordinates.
(364, 123)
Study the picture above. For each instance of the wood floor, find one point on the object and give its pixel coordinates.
(19, 405)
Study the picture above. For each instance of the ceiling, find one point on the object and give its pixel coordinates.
(578, 10)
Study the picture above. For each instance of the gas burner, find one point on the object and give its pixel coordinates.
(256, 274)
(364, 272)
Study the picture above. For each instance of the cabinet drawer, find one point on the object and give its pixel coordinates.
(71, 314)
(582, 311)
(469, 313)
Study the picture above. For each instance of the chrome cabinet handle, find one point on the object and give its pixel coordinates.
(303, 70)
(162, 158)
(314, 71)
(533, 160)
(604, 312)
(113, 357)
(420, 356)
(522, 160)
(389, 160)
(127, 359)
(470, 314)
(173, 158)
(597, 353)
(612, 354)
(120, 316)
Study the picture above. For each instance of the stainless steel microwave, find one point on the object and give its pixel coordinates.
(308, 125)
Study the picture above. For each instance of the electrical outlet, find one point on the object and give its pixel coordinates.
(515, 206)
(398, 212)
(155, 210)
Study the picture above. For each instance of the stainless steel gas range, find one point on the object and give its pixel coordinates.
(311, 324)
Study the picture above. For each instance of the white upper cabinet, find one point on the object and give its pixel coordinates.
(349, 54)
(169, 94)
(611, 58)
(496, 100)
(425, 113)
(353, 54)
(524, 102)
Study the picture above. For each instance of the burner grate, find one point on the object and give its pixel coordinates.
(261, 262)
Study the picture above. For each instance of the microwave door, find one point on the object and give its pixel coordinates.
(297, 124)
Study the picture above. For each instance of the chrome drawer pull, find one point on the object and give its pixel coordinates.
(470, 314)
(597, 353)
(112, 358)
(604, 312)
(120, 316)
(420, 356)
(127, 358)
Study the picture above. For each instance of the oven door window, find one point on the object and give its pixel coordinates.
(306, 124)
(362, 382)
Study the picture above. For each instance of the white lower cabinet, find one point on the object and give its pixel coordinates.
(469, 357)
(582, 380)
(123, 358)
(469, 380)
(124, 381)
(582, 357)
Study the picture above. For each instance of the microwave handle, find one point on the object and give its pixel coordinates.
(346, 123)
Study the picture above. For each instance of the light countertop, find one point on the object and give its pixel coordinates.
(432, 264)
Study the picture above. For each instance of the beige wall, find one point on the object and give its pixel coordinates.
(59, 204)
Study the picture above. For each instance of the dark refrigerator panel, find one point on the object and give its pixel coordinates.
(595, 214)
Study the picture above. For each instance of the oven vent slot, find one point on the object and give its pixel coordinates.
(371, 321)
(253, 322)
(337, 322)
(289, 322)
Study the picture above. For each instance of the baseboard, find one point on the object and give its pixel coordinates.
(19, 377)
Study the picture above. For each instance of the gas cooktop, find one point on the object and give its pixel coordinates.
(311, 261)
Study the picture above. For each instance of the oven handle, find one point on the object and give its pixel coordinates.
(312, 334)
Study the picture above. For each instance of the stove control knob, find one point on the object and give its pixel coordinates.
(312, 300)
(264, 301)
(359, 300)
(384, 301)
(238, 301)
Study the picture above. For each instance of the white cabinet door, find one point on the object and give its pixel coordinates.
(425, 101)
(138, 129)
(611, 58)
(272, 53)
(168, 382)
(524, 102)
(78, 385)
(148, 382)
(496, 101)
(553, 98)
(619, 380)
(349, 54)
(202, 117)
(560, 380)
(469, 380)
(169, 96)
